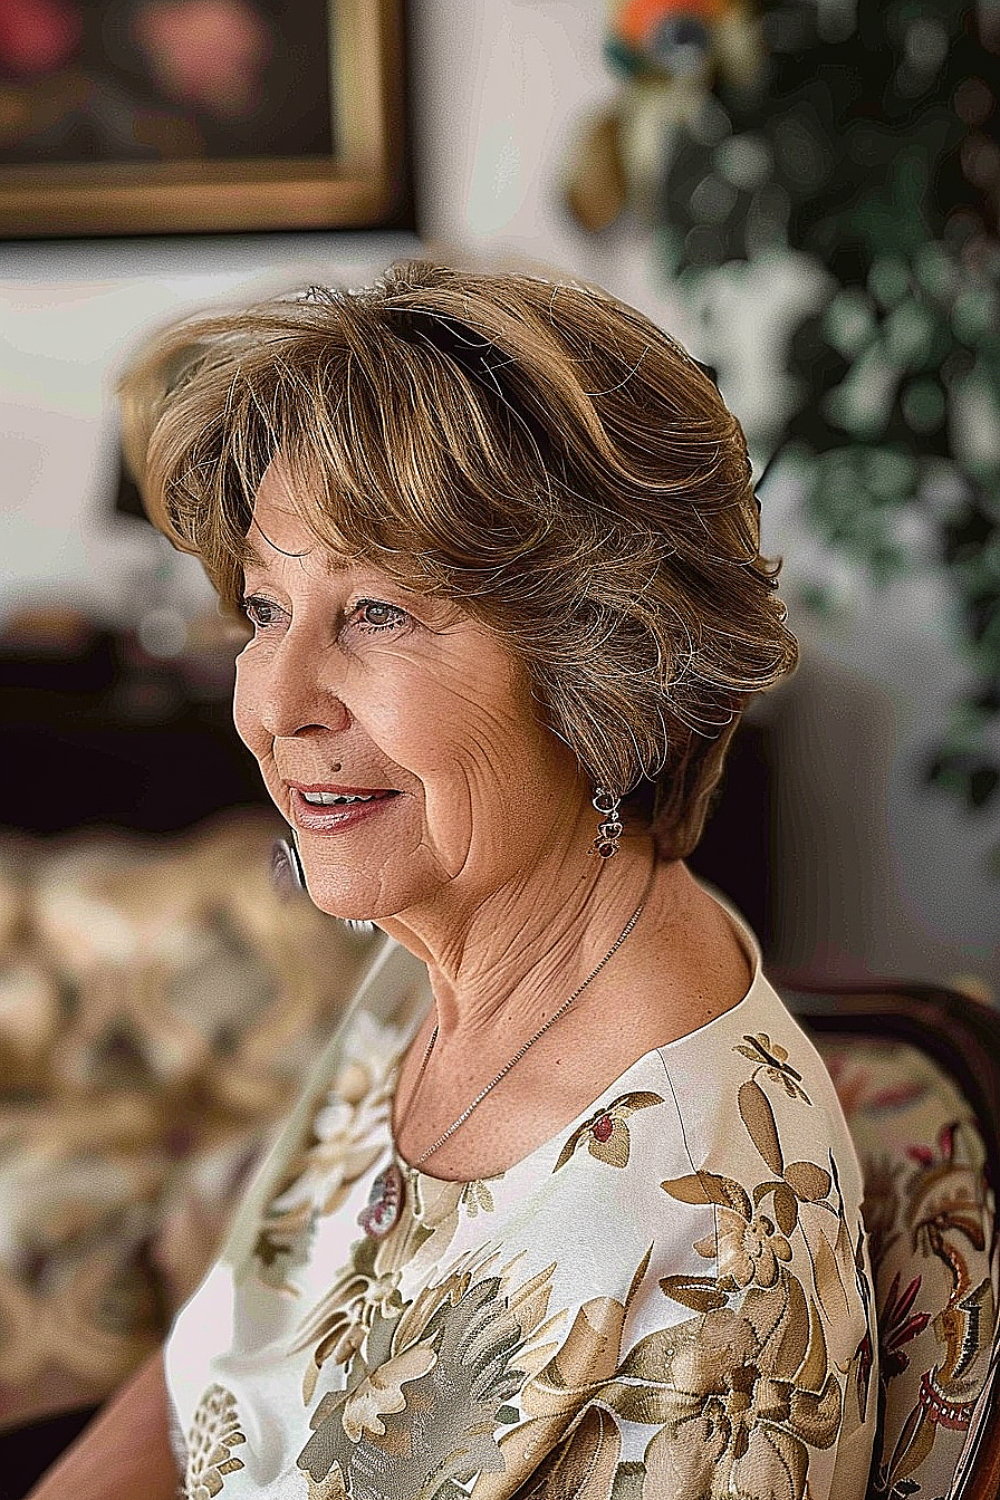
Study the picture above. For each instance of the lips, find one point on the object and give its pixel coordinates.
(327, 809)
(335, 799)
(334, 789)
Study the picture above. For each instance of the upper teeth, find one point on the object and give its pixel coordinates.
(328, 799)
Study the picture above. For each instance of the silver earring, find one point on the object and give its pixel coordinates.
(287, 874)
(609, 830)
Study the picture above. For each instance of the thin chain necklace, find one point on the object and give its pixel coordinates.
(387, 1191)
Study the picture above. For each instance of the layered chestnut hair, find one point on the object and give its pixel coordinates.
(538, 452)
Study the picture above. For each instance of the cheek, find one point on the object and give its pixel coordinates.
(245, 715)
(487, 732)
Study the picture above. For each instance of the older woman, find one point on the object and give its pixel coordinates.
(569, 1207)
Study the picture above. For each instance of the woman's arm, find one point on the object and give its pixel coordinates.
(124, 1452)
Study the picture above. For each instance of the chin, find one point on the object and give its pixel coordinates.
(368, 885)
(336, 903)
(350, 900)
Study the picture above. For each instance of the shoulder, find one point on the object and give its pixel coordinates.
(732, 1348)
(769, 1154)
(752, 1076)
(755, 1308)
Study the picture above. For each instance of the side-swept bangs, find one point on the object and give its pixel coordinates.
(540, 453)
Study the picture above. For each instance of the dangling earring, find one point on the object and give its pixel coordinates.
(287, 874)
(609, 830)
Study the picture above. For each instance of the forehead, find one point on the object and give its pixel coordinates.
(268, 547)
(278, 530)
(279, 537)
(263, 556)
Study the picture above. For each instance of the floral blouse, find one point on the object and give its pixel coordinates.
(671, 1300)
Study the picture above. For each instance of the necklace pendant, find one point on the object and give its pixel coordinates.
(385, 1203)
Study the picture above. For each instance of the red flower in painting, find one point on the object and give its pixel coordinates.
(38, 36)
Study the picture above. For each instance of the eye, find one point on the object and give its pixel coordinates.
(260, 612)
(375, 616)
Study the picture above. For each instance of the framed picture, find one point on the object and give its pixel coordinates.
(126, 117)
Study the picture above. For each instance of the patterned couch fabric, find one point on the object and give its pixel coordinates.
(930, 1217)
(158, 1009)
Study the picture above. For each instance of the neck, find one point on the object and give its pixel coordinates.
(500, 964)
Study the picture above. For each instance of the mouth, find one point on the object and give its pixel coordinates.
(327, 808)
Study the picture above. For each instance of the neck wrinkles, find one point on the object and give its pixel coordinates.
(530, 944)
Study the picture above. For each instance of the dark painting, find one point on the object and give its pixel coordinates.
(156, 80)
(159, 115)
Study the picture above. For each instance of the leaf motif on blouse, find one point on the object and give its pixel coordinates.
(585, 1466)
(583, 1363)
(807, 1181)
(828, 1245)
(606, 1133)
(758, 1117)
(339, 1147)
(338, 1326)
(477, 1197)
(215, 1431)
(751, 1241)
(702, 1293)
(381, 1392)
(708, 1187)
(773, 1059)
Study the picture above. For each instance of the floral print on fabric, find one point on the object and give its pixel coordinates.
(670, 1298)
(423, 1402)
(930, 1213)
(214, 1433)
(750, 1392)
(736, 1398)
(752, 1246)
(757, 1388)
(774, 1059)
(368, 1289)
(606, 1134)
(440, 1392)
(341, 1147)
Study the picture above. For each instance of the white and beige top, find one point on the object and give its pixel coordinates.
(669, 1300)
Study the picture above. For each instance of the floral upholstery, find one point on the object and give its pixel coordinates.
(930, 1216)
(158, 1008)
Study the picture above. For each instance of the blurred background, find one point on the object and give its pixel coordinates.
(805, 192)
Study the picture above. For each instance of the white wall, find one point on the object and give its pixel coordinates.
(873, 873)
(68, 315)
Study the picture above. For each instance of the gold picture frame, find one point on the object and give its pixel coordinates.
(362, 183)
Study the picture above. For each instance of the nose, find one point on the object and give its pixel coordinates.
(296, 692)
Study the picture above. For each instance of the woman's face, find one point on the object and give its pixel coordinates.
(354, 686)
